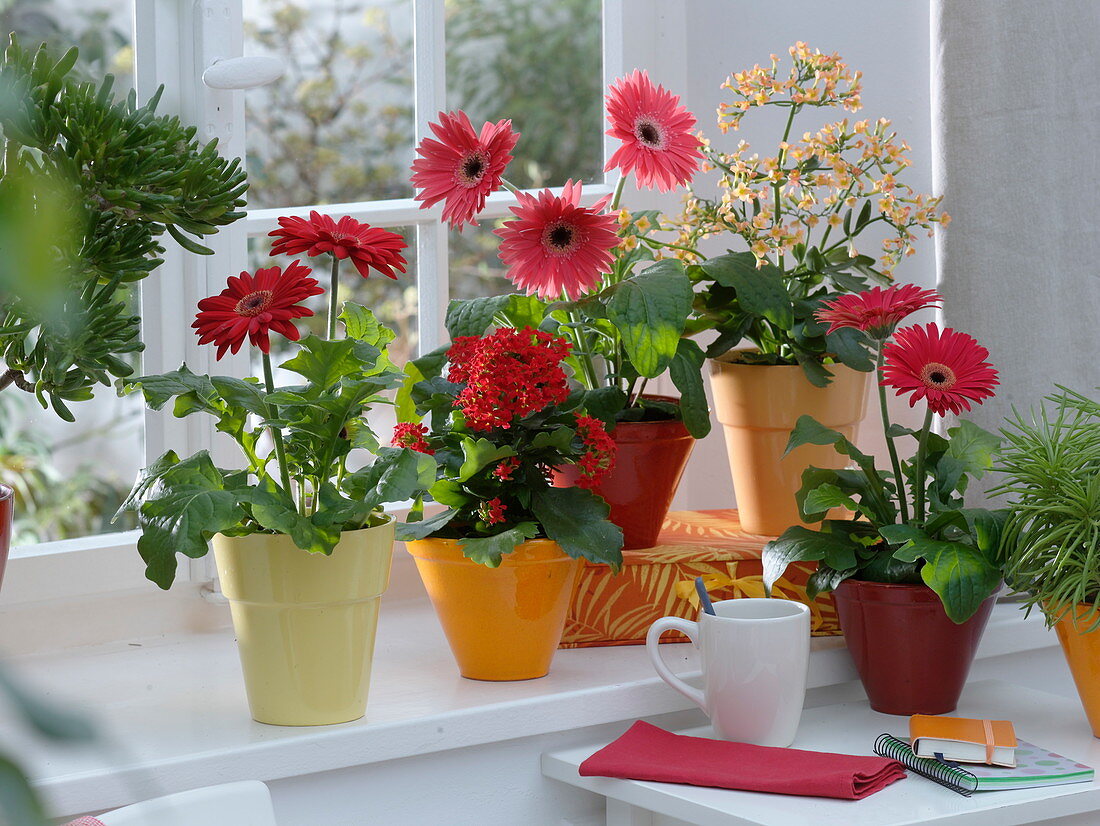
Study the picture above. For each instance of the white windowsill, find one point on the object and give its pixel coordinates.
(176, 705)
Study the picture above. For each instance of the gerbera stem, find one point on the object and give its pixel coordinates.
(918, 474)
(899, 480)
(333, 298)
(276, 433)
(618, 196)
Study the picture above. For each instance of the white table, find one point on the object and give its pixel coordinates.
(1047, 720)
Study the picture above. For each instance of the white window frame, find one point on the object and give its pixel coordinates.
(174, 40)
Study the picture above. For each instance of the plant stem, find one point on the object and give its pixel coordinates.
(899, 480)
(276, 433)
(583, 356)
(333, 298)
(618, 194)
(918, 475)
(781, 159)
(509, 186)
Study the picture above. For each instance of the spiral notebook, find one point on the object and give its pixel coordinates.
(1035, 767)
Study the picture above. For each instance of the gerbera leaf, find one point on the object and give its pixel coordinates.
(411, 531)
(973, 447)
(799, 544)
(649, 310)
(324, 363)
(962, 576)
(686, 373)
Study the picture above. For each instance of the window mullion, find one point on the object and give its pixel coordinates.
(430, 84)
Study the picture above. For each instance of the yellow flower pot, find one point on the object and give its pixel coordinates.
(1082, 650)
(305, 622)
(502, 623)
(758, 406)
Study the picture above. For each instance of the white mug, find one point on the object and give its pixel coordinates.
(755, 653)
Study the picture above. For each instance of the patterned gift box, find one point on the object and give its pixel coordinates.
(617, 609)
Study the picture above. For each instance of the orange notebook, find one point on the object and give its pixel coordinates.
(963, 740)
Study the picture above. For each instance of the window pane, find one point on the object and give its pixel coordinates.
(475, 268)
(70, 478)
(338, 126)
(541, 65)
(392, 301)
(99, 28)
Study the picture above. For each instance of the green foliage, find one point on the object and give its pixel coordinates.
(950, 548)
(111, 178)
(627, 333)
(1051, 467)
(468, 466)
(181, 504)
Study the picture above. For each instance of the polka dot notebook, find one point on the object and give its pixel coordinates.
(1035, 767)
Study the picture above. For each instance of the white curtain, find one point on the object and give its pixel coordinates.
(1016, 139)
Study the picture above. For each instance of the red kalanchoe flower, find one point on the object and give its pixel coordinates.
(491, 511)
(599, 456)
(556, 246)
(655, 130)
(948, 368)
(508, 375)
(876, 311)
(368, 247)
(463, 167)
(412, 436)
(254, 304)
(505, 468)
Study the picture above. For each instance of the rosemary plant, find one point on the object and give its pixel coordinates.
(1051, 545)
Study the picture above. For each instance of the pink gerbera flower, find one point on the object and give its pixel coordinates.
(556, 246)
(655, 131)
(462, 167)
(948, 368)
(368, 247)
(876, 311)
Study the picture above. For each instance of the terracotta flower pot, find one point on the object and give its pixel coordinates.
(1082, 650)
(911, 658)
(758, 406)
(502, 623)
(7, 502)
(305, 622)
(650, 458)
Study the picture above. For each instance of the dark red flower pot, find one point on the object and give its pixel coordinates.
(650, 458)
(7, 500)
(911, 657)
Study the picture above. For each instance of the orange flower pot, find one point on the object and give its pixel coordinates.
(502, 623)
(1082, 650)
(758, 406)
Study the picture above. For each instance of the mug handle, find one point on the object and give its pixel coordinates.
(652, 643)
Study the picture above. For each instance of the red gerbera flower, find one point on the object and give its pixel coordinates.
(599, 456)
(877, 311)
(368, 247)
(508, 374)
(946, 367)
(462, 167)
(655, 129)
(252, 305)
(556, 246)
(412, 436)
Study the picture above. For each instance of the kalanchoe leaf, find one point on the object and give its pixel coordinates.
(478, 453)
(473, 316)
(489, 550)
(412, 531)
(685, 371)
(649, 310)
(577, 520)
(760, 290)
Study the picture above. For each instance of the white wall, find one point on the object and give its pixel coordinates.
(889, 43)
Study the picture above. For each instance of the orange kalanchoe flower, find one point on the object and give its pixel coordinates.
(252, 305)
(945, 367)
(368, 247)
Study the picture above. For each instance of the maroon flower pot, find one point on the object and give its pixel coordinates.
(7, 500)
(911, 658)
(649, 460)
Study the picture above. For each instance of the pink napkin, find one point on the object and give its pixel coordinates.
(646, 752)
(85, 821)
